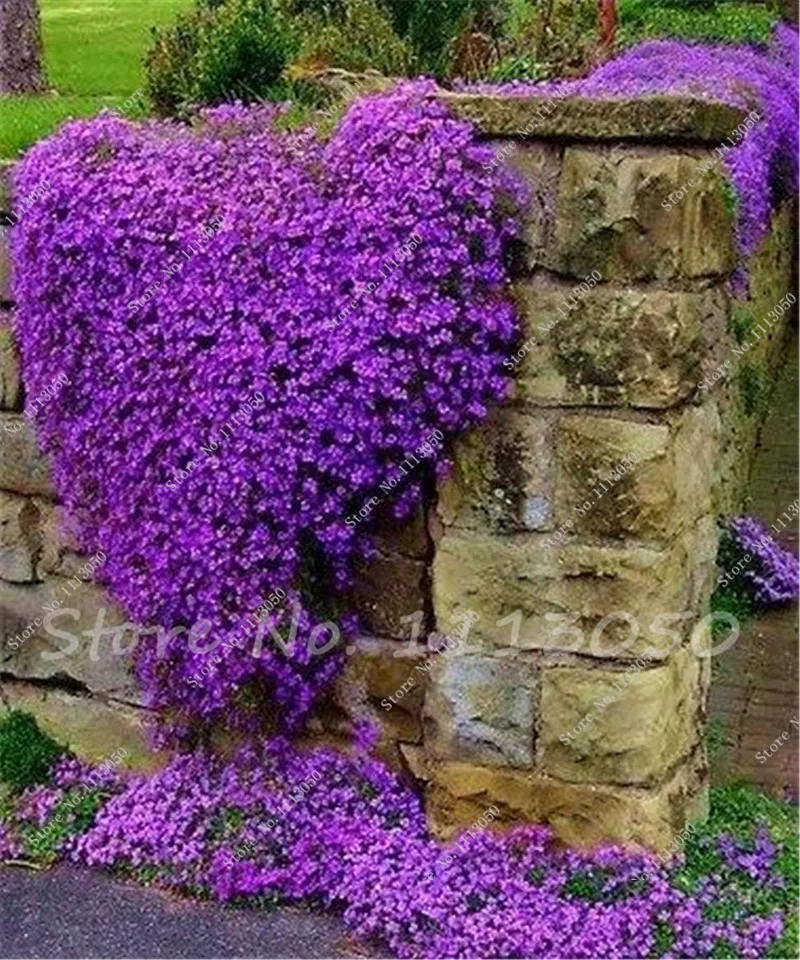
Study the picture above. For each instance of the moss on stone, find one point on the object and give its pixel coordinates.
(665, 117)
(753, 388)
(742, 321)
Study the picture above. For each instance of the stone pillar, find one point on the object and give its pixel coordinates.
(579, 523)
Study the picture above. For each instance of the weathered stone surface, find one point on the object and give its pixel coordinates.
(503, 475)
(662, 489)
(695, 443)
(611, 218)
(23, 468)
(619, 346)
(20, 538)
(407, 537)
(5, 266)
(43, 642)
(581, 815)
(538, 163)
(6, 170)
(374, 688)
(59, 553)
(560, 593)
(664, 117)
(591, 452)
(10, 381)
(481, 709)
(388, 591)
(621, 727)
(92, 727)
(383, 668)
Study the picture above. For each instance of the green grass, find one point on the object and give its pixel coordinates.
(93, 51)
(727, 22)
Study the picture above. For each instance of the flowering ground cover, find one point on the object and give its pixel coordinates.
(162, 350)
(240, 831)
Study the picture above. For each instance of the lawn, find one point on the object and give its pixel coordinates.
(93, 53)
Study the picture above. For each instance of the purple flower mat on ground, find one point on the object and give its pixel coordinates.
(308, 294)
(344, 833)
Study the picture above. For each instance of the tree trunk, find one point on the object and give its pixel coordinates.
(607, 13)
(20, 47)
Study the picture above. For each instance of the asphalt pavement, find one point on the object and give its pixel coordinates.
(67, 912)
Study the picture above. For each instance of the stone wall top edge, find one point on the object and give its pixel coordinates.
(653, 118)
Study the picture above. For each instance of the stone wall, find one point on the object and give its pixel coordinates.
(577, 518)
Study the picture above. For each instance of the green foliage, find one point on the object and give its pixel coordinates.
(739, 810)
(715, 737)
(730, 198)
(77, 811)
(26, 753)
(236, 50)
(586, 885)
(544, 40)
(754, 388)
(732, 596)
(741, 323)
(707, 20)
(354, 35)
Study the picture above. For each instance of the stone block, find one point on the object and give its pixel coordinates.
(622, 478)
(503, 475)
(407, 537)
(92, 727)
(20, 538)
(382, 669)
(10, 380)
(481, 709)
(666, 117)
(388, 591)
(614, 478)
(23, 468)
(6, 171)
(59, 551)
(611, 218)
(5, 265)
(581, 815)
(618, 346)
(621, 727)
(538, 163)
(554, 598)
(46, 636)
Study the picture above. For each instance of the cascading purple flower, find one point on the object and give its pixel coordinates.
(167, 330)
(773, 574)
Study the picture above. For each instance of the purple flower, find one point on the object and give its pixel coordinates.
(772, 574)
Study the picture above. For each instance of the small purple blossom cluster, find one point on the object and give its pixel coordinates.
(304, 230)
(357, 843)
(772, 573)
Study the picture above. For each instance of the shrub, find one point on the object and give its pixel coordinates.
(547, 40)
(354, 35)
(233, 50)
(26, 753)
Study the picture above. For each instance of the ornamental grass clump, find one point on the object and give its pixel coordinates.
(152, 380)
